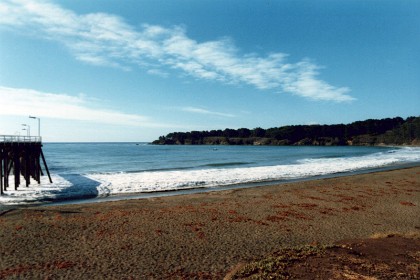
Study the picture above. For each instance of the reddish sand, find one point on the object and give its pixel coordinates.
(206, 236)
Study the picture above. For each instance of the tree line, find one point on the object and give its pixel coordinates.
(389, 131)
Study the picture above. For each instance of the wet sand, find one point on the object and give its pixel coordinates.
(206, 235)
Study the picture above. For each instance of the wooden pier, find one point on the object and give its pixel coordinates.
(21, 156)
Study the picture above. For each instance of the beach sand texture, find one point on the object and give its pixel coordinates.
(205, 236)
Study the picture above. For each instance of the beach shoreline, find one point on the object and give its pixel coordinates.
(204, 235)
(188, 191)
(102, 179)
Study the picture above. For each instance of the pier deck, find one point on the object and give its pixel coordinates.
(21, 156)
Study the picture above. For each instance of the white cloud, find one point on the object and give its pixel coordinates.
(158, 72)
(24, 102)
(206, 112)
(107, 40)
(307, 85)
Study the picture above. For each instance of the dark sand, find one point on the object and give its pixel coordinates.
(207, 235)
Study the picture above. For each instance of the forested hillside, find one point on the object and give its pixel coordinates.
(389, 131)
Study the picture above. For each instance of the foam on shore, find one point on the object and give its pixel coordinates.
(208, 178)
(77, 186)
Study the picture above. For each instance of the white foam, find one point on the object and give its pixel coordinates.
(34, 193)
(208, 178)
(78, 186)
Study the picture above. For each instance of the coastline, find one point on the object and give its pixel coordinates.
(226, 168)
(191, 191)
(204, 235)
(195, 190)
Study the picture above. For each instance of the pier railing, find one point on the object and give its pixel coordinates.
(19, 138)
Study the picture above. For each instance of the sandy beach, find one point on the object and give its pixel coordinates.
(211, 235)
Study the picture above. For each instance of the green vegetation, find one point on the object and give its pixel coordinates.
(389, 131)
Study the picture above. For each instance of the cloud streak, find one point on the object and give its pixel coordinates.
(107, 40)
(24, 102)
(206, 112)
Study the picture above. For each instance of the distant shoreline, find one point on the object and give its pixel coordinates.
(395, 131)
(416, 144)
(268, 142)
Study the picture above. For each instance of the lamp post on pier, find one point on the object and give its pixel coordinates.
(28, 129)
(39, 124)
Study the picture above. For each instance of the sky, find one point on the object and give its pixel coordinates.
(133, 70)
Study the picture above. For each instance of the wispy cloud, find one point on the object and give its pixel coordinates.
(206, 112)
(107, 40)
(24, 102)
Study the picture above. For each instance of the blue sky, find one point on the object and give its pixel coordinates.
(134, 70)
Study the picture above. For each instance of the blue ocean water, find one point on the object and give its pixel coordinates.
(87, 158)
(87, 170)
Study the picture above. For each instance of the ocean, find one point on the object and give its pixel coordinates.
(83, 172)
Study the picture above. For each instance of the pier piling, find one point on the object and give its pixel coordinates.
(21, 154)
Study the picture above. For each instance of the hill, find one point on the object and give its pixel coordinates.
(389, 131)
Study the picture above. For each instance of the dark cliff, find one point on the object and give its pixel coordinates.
(389, 131)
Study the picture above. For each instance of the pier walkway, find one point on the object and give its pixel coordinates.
(21, 156)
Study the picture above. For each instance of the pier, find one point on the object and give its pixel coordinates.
(21, 156)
